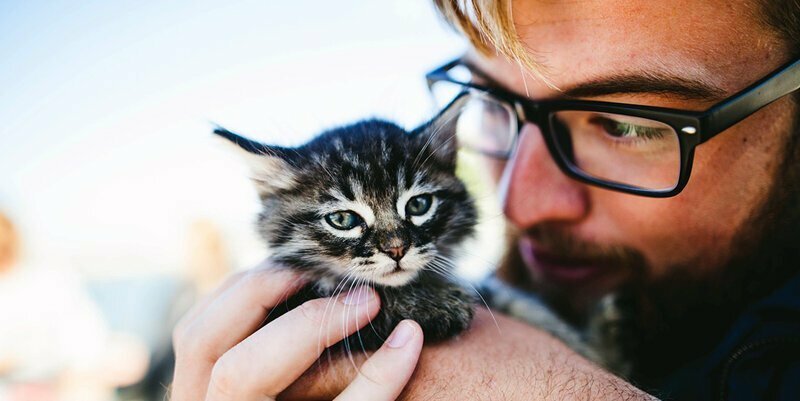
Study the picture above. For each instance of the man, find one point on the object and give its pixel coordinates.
(704, 263)
(691, 261)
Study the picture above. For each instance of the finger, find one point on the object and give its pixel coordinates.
(207, 299)
(267, 362)
(386, 373)
(228, 319)
(326, 379)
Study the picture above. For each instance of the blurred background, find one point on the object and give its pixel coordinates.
(117, 207)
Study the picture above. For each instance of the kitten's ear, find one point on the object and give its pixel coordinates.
(437, 137)
(269, 167)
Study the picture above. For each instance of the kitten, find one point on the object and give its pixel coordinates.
(370, 203)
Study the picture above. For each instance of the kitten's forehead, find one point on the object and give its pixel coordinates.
(367, 166)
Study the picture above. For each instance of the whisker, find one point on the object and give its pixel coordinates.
(371, 326)
(345, 317)
(443, 269)
(285, 302)
(438, 129)
(336, 291)
(358, 332)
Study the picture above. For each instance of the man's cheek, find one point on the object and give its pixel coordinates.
(656, 228)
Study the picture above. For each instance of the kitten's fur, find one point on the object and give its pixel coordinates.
(373, 169)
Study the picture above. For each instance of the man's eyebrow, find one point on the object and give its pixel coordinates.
(647, 83)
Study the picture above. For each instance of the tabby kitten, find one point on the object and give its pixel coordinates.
(370, 203)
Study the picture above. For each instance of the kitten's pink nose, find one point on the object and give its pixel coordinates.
(395, 252)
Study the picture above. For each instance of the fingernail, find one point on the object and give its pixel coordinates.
(357, 296)
(400, 336)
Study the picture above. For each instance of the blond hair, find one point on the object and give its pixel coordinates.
(489, 26)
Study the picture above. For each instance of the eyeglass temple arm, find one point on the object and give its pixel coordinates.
(440, 73)
(749, 100)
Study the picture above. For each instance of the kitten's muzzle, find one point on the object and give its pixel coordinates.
(394, 252)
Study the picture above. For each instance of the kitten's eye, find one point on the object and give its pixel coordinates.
(343, 220)
(419, 205)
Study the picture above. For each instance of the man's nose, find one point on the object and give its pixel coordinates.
(535, 190)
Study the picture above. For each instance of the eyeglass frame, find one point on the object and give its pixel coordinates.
(692, 127)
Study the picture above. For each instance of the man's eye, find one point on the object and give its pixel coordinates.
(343, 220)
(419, 205)
(621, 129)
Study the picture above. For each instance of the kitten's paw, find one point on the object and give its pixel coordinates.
(442, 309)
(449, 317)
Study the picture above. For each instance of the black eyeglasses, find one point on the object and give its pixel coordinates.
(636, 149)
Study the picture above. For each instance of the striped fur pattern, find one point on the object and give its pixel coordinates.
(373, 204)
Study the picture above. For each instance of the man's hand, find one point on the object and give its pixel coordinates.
(507, 361)
(223, 353)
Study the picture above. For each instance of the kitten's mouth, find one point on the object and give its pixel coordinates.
(398, 276)
(397, 269)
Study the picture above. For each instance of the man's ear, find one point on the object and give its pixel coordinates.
(437, 138)
(269, 168)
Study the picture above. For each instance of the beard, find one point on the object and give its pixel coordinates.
(672, 320)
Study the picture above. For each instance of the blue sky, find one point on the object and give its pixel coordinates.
(105, 151)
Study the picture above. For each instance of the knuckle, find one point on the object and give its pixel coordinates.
(254, 285)
(182, 337)
(179, 332)
(191, 342)
(231, 280)
(314, 310)
(376, 373)
(256, 280)
(226, 378)
(185, 342)
(230, 377)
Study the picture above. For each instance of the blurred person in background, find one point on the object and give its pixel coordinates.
(207, 264)
(9, 244)
(600, 202)
(54, 343)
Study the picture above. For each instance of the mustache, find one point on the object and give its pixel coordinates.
(558, 244)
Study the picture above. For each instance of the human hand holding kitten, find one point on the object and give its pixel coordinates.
(362, 223)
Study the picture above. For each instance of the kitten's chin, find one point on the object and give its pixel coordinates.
(396, 278)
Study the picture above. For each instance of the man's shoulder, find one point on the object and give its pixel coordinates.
(759, 357)
(763, 358)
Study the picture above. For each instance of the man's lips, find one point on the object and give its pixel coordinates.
(558, 269)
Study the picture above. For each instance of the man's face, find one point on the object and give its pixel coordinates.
(582, 241)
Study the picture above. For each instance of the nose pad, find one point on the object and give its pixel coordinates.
(394, 246)
(394, 243)
(394, 252)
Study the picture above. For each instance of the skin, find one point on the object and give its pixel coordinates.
(717, 43)
(222, 354)
(738, 164)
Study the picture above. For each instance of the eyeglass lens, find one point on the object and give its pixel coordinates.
(618, 148)
(610, 147)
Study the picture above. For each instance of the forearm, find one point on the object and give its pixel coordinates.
(515, 363)
(507, 361)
